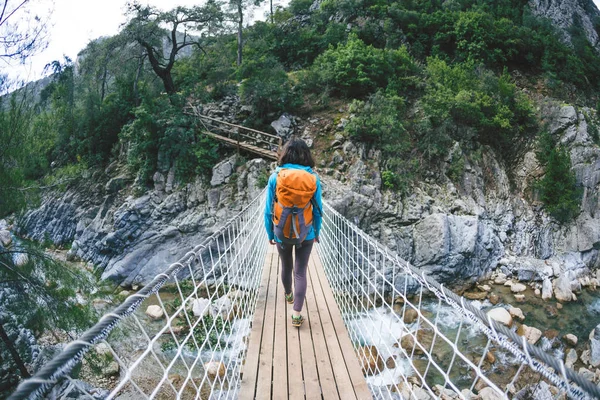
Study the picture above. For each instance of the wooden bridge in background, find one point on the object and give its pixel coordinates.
(315, 361)
(242, 138)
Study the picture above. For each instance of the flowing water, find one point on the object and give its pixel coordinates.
(381, 328)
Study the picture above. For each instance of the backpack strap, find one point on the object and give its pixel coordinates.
(313, 201)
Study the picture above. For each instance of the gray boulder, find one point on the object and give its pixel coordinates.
(595, 346)
(5, 238)
(284, 126)
(455, 246)
(562, 289)
(222, 171)
(546, 289)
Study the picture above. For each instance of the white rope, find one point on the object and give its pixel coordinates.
(364, 276)
(224, 272)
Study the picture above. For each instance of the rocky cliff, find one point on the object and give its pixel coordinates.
(465, 229)
(456, 230)
(133, 238)
(565, 14)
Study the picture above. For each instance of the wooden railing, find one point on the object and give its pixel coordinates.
(241, 137)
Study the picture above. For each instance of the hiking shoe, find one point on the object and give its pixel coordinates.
(290, 298)
(297, 321)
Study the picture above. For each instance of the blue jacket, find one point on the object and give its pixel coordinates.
(316, 225)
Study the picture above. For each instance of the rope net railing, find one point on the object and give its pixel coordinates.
(181, 336)
(417, 340)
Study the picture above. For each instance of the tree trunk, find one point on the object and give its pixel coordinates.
(271, 4)
(13, 352)
(168, 82)
(239, 36)
(138, 74)
(164, 73)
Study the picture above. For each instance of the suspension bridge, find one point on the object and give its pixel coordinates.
(375, 329)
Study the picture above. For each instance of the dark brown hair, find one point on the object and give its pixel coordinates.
(296, 151)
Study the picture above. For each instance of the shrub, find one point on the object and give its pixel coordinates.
(162, 136)
(558, 187)
(266, 87)
(390, 179)
(377, 120)
(355, 69)
(474, 97)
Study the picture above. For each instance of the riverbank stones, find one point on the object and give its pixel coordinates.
(500, 315)
(154, 312)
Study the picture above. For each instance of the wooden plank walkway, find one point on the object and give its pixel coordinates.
(243, 145)
(316, 361)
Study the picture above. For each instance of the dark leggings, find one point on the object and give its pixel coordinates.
(299, 268)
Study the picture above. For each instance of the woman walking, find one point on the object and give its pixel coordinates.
(293, 218)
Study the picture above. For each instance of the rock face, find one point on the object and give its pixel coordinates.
(222, 171)
(565, 13)
(456, 230)
(448, 242)
(134, 238)
(463, 230)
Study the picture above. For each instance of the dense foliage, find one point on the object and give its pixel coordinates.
(558, 187)
(419, 75)
(37, 295)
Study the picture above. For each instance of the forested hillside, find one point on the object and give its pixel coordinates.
(417, 76)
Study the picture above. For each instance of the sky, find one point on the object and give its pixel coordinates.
(74, 23)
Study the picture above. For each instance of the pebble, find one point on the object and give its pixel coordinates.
(530, 333)
(518, 288)
(485, 288)
(500, 279)
(155, 312)
(494, 299)
(410, 316)
(570, 339)
(499, 314)
(516, 312)
(586, 373)
(214, 369)
(520, 298)
(571, 358)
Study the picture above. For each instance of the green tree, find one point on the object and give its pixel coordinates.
(146, 28)
(266, 87)
(500, 115)
(558, 187)
(355, 69)
(37, 294)
(14, 124)
(161, 136)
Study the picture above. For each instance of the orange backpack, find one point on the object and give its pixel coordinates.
(293, 209)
